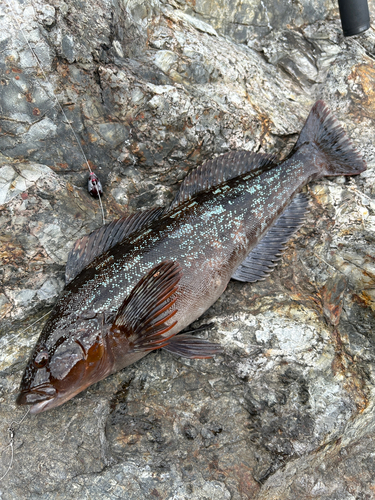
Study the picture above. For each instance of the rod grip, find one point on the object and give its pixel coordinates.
(355, 16)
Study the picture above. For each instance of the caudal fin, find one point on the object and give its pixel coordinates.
(338, 155)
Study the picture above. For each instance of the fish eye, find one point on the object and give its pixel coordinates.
(41, 359)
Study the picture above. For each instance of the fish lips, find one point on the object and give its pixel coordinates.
(38, 398)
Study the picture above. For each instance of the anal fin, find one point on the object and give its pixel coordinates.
(143, 316)
(264, 257)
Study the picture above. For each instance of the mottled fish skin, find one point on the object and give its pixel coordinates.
(208, 235)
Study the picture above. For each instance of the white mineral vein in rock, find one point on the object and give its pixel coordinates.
(13, 182)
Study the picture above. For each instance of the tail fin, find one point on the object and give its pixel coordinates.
(338, 155)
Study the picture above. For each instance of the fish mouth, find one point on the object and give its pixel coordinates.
(44, 398)
(38, 398)
(39, 407)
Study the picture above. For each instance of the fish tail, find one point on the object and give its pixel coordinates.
(336, 153)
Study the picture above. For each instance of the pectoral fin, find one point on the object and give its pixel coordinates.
(188, 346)
(264, 257)
(144, 315)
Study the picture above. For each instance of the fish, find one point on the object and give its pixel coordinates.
(135, 283)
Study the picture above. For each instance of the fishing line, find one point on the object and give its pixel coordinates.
(35, 322)
(11, 430)
(14, 423)
(53, 96)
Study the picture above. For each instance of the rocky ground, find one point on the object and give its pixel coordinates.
(152, 89)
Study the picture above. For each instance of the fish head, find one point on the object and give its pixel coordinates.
(63, 365)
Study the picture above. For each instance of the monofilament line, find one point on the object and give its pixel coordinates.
(35, 322)
(53, 97)
(10, 445)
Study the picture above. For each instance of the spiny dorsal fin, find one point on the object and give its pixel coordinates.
(264, 257)
(87, 248)
(215, 172)
(143, 315)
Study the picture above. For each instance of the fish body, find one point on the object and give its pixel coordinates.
(131, 292)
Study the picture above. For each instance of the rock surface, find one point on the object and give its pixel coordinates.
(152, 89)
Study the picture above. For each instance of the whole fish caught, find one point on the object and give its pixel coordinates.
(135, 283)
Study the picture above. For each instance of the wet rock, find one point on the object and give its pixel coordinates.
(152, 89)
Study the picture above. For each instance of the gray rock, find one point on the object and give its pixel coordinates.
(153, 89)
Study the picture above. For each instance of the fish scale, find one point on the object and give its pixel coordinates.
(134, 284)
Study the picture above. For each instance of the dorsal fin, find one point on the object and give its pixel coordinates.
(264, 257)
(87, 248)
(215, 172)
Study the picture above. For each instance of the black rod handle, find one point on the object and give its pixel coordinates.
(355, 16)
